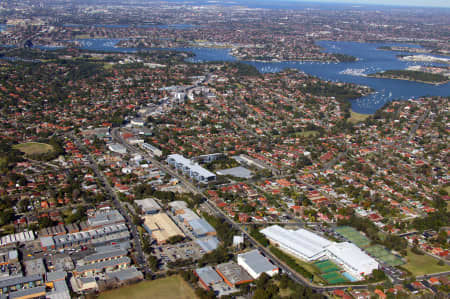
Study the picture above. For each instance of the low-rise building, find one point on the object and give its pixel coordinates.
(233, 274)
(255, 264)
(207, 277)
(161, 227)
(148, 206)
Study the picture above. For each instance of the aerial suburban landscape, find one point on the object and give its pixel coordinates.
(224, 149)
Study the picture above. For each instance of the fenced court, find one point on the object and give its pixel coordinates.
(326, 266)
(330, 272)
(353, 236)
(334, 277)
(381, 253)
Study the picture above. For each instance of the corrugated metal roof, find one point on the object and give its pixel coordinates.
(256, 261)
(208, 275)
(302, 241)
(208, 244)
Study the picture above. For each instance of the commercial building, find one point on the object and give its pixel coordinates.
(191, 168)
(99, 267)
(161, 227)
(97, 237)
(207, 277)
(201, 228)
(256, 264)
(309, 246)
(117, 148)
(148, 206)
(233, 274)
(178, 207)
(125, 275)
(22, 237)
(208, 244)
(352, 259)
(152, 149)
(300, 243)
(17, 283)
(36, 292)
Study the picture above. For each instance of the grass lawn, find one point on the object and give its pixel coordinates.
(423, 264)
(357, 117)
(31, 148)
(173, 287)
(311, 269)
(307, 134)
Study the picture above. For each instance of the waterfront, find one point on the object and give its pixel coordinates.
(370, 60)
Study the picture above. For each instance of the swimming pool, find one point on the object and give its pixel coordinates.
(349, 277)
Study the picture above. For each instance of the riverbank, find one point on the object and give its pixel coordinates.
(414, 76)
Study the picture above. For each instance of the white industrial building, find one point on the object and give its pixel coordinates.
(117, 148)
(301, 243)
(352, 259)
(309, 246)
(256, 264)
(148, 205)
(191, 168)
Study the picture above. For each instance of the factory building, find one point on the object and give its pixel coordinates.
(300, 243)
(309, 246)
(256, 264)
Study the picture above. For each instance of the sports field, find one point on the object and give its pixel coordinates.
(383, 254)
(330, 272)
(32, 148)
(173, 287)
(353, 236)
(423, 264)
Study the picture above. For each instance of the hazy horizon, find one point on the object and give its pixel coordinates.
(422, 3)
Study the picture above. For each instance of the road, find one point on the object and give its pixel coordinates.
(141, 260)
(280, 264)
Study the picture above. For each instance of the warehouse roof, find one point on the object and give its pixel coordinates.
(234, 273)
(19, 280)
(201, 227)
(148, 204)
(208, 275)
(162, 227)
(105, 255)
(302, 241)
(353, 257)
(28, 293)
(256, 261)
(208, 244)
(125, 274)
(103, 265)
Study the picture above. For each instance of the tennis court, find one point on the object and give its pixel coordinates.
(383, 254)
(334, 277)
(326, 266)
(353, 236)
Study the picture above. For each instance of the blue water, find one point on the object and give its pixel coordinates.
(369, 58)
(349, 277)
(168, 26)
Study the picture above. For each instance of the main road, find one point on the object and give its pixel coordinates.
(140, 258)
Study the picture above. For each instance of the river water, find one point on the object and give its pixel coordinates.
(370, 60)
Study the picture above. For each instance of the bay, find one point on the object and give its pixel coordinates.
(370, 60)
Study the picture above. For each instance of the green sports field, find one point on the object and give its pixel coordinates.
(32, 148)
(173, 287)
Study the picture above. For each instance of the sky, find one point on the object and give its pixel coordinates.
(427, 3)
